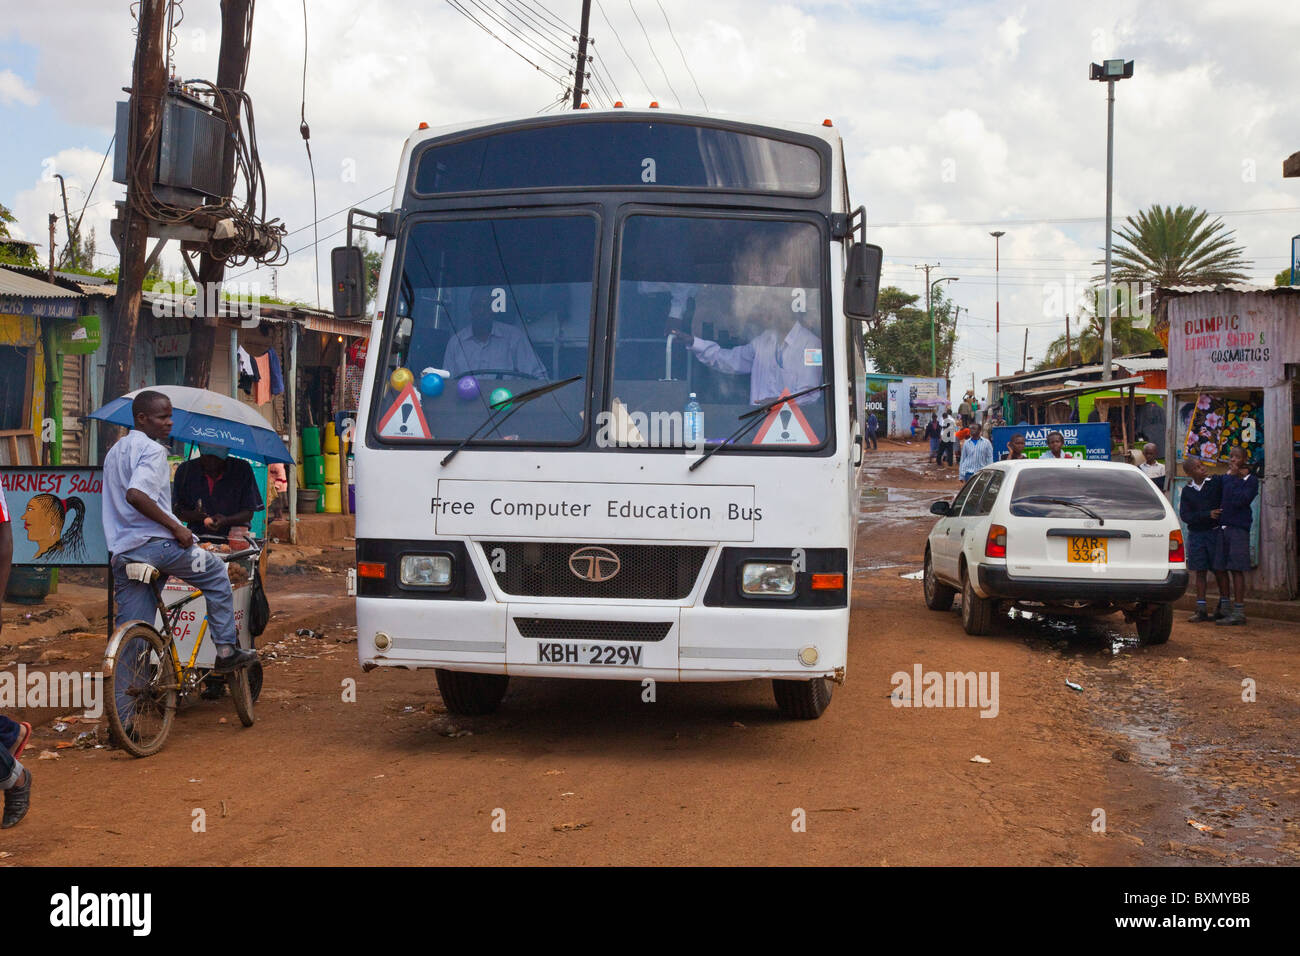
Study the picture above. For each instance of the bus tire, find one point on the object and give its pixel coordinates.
(938, 597)
(802, 699)
(470, 694)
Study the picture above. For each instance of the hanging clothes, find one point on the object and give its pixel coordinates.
(277, 377)
(262, 387)
(245, 363)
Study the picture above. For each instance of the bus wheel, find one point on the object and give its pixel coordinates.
(471, 694)
(802, 699)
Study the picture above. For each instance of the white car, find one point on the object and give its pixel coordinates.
(1059, 537)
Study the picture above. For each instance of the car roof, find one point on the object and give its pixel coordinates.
(1062, 463)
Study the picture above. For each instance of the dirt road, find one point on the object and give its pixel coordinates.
(588, 773)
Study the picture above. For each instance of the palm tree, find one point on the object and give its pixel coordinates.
(1085, 348)
(1168, 247)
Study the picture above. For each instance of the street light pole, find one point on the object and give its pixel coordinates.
(929, 298)
(997, 285)
(1109, 72)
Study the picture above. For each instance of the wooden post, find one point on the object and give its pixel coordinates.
(232, 66)
(149, 84)
(1276, 576)
(291, 389)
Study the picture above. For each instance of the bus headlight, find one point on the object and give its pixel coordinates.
(767, 579)
(426, 571)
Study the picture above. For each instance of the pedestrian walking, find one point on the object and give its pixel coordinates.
(916, 423)
(947, 437)
(873, 423)
(1240, 487)
(15, 779)
(1198, 508)
(932, 430)
(976, 452)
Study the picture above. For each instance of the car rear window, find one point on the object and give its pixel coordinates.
(1051, 492)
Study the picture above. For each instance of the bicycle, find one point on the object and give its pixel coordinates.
(147, 677)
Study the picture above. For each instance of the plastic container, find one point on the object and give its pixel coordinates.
(330, 444)
(314, 467)
(310, 442)
(333, 498)
(320, 499)
(332, 475)
(693, 422)
(28, 584)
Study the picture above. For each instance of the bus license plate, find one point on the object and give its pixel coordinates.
(1086, 550)
(627, 655)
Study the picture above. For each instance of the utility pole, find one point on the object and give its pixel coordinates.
(54, 221)
(148, 86)
(580, 68)
(232, 70)
(72, 242)
(947, 365)
(1024, 357)
(1069, 350)
(997, 285)
(934, 369)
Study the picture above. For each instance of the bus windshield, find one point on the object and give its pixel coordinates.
(727, 309)
(485, 309)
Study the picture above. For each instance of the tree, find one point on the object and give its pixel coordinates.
(1283, 277)
(79, 254)
(898, 342)
(372, 265)
(1182, 246)
(15, 253)
(1085, 347)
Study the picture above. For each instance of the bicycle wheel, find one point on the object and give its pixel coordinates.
(237, 681)
(140, 688)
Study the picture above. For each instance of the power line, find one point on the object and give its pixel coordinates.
(649, 89)
(531, 21)
(1066, 220)
(488, 30)
(546, 54)
(682, 55)
(599, 61)
(677, 98)
(555, 19)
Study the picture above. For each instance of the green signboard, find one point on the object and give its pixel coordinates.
(79, 336)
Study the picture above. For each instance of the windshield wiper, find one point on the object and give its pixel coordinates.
(753, 414)
(509, 406)
(1045, 499)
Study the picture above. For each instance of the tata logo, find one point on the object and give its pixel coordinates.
(594, 564)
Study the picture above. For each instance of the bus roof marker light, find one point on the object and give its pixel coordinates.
(654, 104)
(424, 125)
(827, 122)
(618, 104)
(584, 106)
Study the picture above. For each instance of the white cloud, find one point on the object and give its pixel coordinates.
(13, 89)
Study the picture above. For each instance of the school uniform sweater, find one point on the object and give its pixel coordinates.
(1238, 493)
(1194, 506)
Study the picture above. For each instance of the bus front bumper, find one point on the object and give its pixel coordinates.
(562, 640)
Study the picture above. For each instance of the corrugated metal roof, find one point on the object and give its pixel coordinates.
(1238, 287)
(13, 282)
(1070, 389)
(1143, 364)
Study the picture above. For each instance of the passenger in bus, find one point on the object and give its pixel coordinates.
(486, 344)
(785, 356)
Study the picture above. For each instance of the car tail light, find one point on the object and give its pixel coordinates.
(1176, 552)
(996, 544)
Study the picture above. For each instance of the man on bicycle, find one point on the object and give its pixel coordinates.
(140, 527)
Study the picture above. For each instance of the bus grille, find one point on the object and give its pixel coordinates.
(556, 629)
(648, 572)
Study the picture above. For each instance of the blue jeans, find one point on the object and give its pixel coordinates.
(8, 734)
(196, 567)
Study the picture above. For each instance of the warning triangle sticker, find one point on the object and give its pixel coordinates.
(785, 425)
(405, 418)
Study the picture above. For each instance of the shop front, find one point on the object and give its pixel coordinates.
(1233, 354)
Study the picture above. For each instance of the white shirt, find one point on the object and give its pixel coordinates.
(1153, 471)
(136, 461)
(506, 348)
(773, 366)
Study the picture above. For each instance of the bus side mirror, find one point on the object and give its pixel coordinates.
(348, 279)
(862, 280)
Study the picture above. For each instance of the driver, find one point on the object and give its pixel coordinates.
(486, 344)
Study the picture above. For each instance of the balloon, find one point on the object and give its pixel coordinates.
(467, 388)
(500, 395)
(400, 378)
(431, 383)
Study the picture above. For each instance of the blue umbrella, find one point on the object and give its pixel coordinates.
(199, 415)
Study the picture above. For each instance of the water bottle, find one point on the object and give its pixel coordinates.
(693, 423)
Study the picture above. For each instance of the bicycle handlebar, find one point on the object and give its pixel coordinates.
(253, 547)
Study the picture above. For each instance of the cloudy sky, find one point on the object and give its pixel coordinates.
(958, 118)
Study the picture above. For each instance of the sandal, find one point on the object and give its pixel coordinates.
(24, 735)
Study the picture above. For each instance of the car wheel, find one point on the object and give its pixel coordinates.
(802, 699)
(976, 612)
(1155, 626)
(938, 596)
(471, 694)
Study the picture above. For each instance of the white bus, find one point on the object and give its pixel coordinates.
(609, 427)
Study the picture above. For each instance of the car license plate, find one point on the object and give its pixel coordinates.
(1086, 550)
(615, 655)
